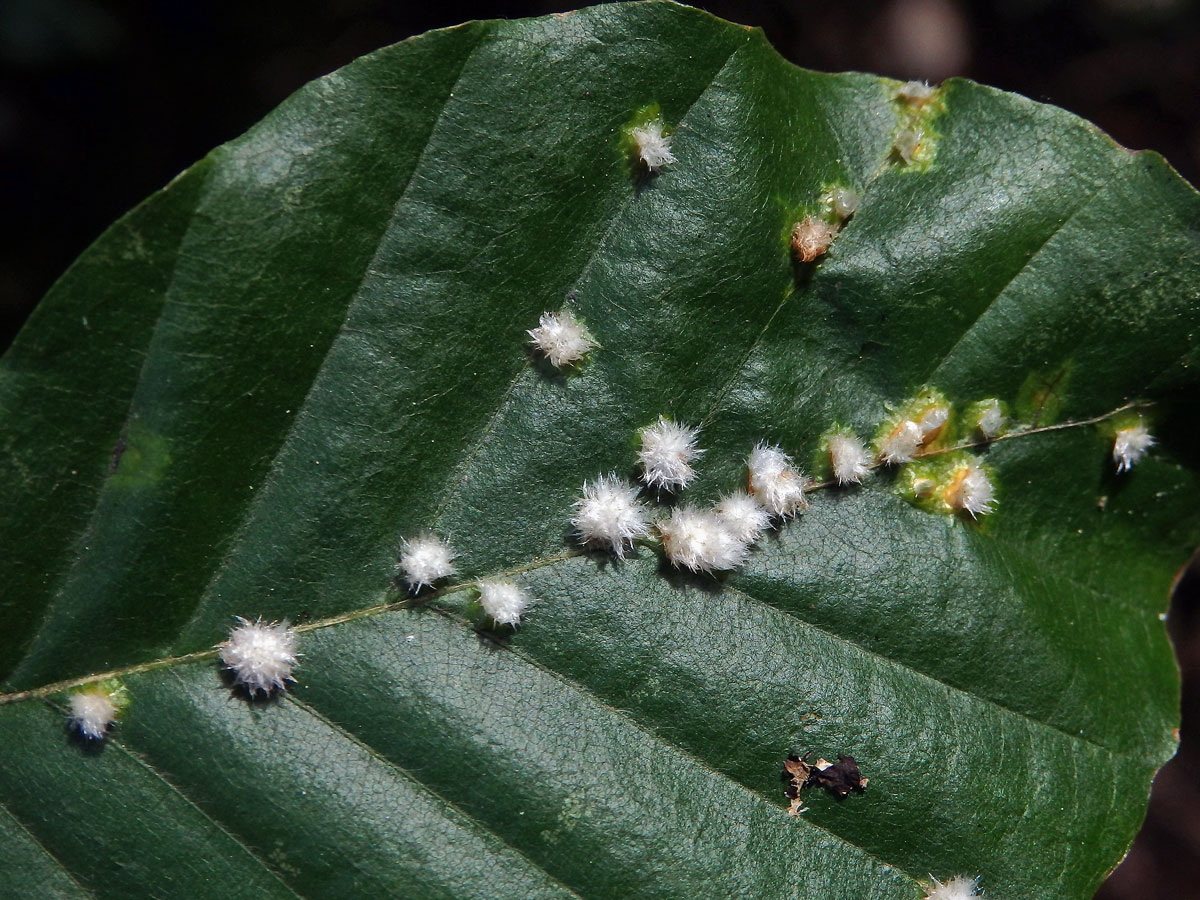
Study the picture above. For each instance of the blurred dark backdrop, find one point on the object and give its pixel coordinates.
(103, 102)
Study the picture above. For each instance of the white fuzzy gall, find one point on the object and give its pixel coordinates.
(960, 887)
(609, 516)
(1130, 445)
(561, 338)
(991, 419)
(775, 482)
(425, 560)
(743, 516)
(842, 203)
(970, 490)
(504, 601)
(699, 540)
(915, 93)
(668, 450)
(901, 444)
(848, 458)
(906, 144)
(931, 422)
(260, 654)
(93, 711)
(653, 148)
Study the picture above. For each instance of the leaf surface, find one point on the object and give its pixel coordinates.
(313, 343)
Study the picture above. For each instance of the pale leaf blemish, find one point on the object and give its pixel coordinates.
(666, 455)
(608, 515)
(260, 655)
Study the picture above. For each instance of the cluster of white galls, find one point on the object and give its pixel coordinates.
(610, 516)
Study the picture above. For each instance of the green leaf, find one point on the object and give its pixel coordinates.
(312, 343)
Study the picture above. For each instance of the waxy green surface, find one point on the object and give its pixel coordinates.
(313, 342)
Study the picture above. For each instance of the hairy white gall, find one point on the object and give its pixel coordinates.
(960, 887)
(93, 711)
(917, 423)
(915, 93)
(743, 516)
(609, 516)
(774, 481)
(504, 601)
(848, 458)
(425, 560)
(901, 444)
(990, 420)
(668, 450)
(1130, 444)
(652, 146)
(261, 655)
(561, 338)
(699, 540)
(970, 490)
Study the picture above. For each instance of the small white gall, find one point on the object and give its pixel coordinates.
(932, 421)
(915, 93)
(773, 480)
(907, 144)
(970, 490)
(425, 560)
(561, 338)
(1130, 445)
(93, 711)
(847, 458)
(504, 601)
(699, 540)
(608, 515)
(653, 148)
(260, 654)
(901, 443)
(668, 449)
(811, 237)
(991, 420)
(743, 516)
(842, 202)
(960, 887)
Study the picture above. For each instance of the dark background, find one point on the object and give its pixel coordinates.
(101, 103)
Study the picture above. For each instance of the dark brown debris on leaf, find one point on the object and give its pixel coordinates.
(838, 778)
(797, 772)
(841, 777)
